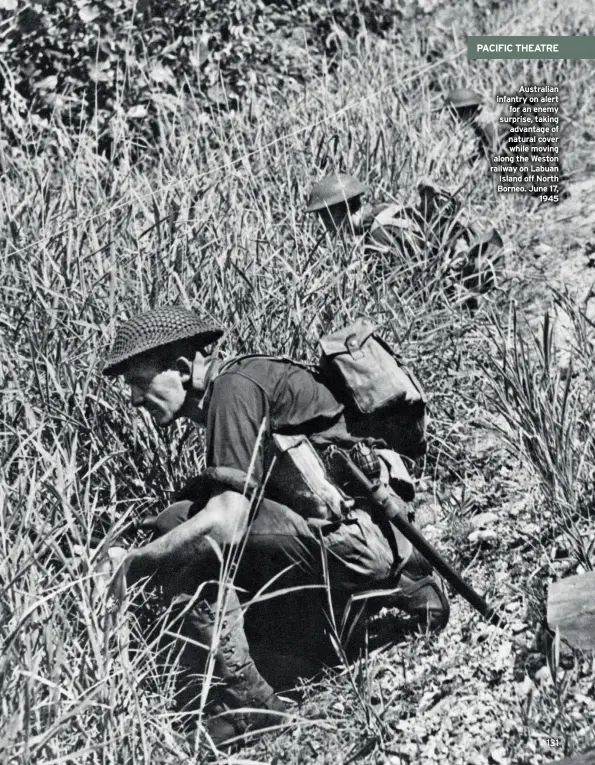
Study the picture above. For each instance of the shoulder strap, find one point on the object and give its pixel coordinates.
(226, 365)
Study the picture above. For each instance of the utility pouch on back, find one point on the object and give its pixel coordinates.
(383, 398)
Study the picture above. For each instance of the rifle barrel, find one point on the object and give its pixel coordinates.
(381, 497)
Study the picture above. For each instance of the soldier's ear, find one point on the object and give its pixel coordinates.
(184, 367)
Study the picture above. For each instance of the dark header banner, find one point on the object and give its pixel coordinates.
(581, 47)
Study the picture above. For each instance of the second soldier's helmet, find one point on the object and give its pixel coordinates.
(462, 98)
(333, 190)
(464, 103)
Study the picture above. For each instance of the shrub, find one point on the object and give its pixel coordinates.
(94, 59)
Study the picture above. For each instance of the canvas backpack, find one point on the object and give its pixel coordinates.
(383, 399)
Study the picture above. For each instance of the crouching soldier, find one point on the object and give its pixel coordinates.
(435, 232)
(283, 532)
(491, 136)
(338, 201)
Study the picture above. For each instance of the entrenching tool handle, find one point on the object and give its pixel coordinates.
(382, 498)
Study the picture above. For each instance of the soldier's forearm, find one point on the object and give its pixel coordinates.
(223, 520)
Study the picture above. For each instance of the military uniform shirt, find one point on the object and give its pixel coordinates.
(250, 399)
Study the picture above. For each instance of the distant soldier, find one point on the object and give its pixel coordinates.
(493, 137)
(434, 230)
(467, 105)
(266, 499)
(337, 200)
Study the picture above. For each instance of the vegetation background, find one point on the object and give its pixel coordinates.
(159, 152)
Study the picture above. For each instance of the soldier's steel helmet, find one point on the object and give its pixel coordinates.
(155, 329)
(461, 98)
(333, 190)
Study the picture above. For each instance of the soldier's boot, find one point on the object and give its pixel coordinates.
(242, 701)
(415, 591)
(420, 592)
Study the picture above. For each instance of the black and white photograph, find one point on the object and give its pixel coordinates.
(297, 382)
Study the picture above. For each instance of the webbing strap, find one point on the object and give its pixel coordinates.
(303, 364)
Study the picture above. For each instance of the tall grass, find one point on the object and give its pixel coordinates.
(215, 220)
(548, 414)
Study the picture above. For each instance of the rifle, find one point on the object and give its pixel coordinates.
(382, 499)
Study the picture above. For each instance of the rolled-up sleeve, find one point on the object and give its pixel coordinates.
(238, 425)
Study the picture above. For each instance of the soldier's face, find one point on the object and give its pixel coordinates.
(335, 218)
(161, 392)
(467, 113)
